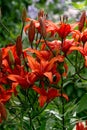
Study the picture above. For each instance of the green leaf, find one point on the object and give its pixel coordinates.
(82, 105)
(43, 125)
(80, 5)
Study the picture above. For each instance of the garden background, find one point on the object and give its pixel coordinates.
(49, 117)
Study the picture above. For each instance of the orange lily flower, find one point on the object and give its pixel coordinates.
(47, 96)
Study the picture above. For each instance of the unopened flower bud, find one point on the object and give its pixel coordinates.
(19, 46)
(41, 13)
(43, 27)
(24, 15)
(82, 21)
(3, 111)
(11, 57)
(31, 32)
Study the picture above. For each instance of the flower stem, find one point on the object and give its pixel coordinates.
(63, 120)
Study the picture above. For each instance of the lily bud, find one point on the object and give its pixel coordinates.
(31, 32)
(43, 27)
(24, 15)
(3, 111)
(41, 13)
(82, 21)
(19, 46)
(0, 57)
(11, 57)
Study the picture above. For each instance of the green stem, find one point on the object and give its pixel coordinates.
(22, 29)
(76, 61)
(38, 42)
(63, 120)
(49, 47)
(77, 71)
(32, 108)
(31, 124)
(40, 111)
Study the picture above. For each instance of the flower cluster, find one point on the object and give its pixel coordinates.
(42, 66)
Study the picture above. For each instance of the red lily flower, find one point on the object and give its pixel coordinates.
(79, 126)
(3, 78)
(41, 54)
(40, 69)
(43, 68)
(49, 25)
(10, 53)
(47, 96)
(54, 45)
(25, 80)
(5, 95)
(84, 36)
(64, 30)
(67, 44)
(82, 50)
